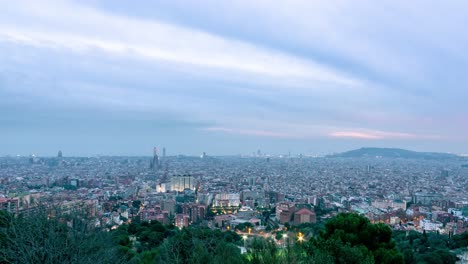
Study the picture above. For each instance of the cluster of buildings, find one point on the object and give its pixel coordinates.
(224, 192)
(291, 212)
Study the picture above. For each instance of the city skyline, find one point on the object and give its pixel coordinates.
(362, 152)
(225, 78)
(233, 131)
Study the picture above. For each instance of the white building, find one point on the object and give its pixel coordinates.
(455, 212)
(393, 204)
(394, 220)
(181, 182)
(430, 226)
(161, 188)
(227, 199)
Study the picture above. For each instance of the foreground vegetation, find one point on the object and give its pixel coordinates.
(347, 238)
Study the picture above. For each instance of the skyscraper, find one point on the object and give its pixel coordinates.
(164, 152)
(59, 155)
(155, 162)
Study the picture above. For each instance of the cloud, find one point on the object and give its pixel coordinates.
(378, 135)
(288, 130)
(153, 40)
(297, 70)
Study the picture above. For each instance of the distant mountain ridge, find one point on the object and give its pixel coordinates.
(392, 153)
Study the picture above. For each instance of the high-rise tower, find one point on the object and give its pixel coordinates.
(155, 162)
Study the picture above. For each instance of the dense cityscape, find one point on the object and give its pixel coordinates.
(243, 132)
(264, 192)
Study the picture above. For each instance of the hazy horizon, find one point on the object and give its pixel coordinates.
(227, 154)
(97, 77)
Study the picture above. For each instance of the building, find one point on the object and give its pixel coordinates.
(426, 198)
(75, 182)
(196, 212)
(394, 220)
(275, 197)
(161, 187)
(227, 199)
(304, 215)
(155, 162)
(283, 206)
(9, 205)
(430, 226)
(392, 204)
(181, 182)
(169, 206)
(149, 214)
(285, 212)
(182, 220)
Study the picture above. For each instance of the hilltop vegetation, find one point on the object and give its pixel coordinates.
(347, 238)
(392, 153)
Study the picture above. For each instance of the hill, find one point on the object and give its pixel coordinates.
(392, 153)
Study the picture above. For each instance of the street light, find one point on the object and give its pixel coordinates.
(285, 236)
(245, 241)
(300, 237)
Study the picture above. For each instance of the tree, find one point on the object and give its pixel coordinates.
(70, 238)
(425, 248)
(136, 204)
(354, 235)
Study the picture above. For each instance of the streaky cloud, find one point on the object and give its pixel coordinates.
(377, 135)
(153, 40)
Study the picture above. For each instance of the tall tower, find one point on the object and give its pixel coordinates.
(155, 162)
(59, 155)
(164, 152)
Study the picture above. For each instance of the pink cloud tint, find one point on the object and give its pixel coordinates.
(374, 135)
(351, 134)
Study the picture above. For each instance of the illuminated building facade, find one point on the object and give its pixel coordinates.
(181, 182)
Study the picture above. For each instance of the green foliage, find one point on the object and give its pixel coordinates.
(61, 239)
(310, 229)
(136, 204)
(361, 239)
(264, 251)
(70, 187)
(279, 235)
(200, 245)
(165, 244)
(460, 241)
(465, 211)
(244, 226)
(346, 238)
(426, 247)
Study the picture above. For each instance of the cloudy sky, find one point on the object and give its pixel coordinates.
(116, 77)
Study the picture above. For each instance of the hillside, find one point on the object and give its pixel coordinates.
(392, 153)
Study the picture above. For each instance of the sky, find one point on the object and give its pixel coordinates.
(117, 77)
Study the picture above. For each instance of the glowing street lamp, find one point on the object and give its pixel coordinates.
(300, 237)
(285, 236)
(245, 240)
